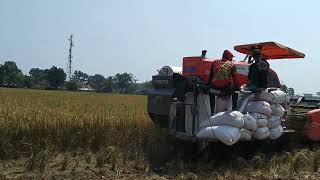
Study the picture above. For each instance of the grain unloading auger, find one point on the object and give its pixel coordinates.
(179, 99)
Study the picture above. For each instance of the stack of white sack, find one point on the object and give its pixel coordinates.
(224, 126)
(250, 125)
(276, 98)
(268, 112)
(262, 120)
(259, 110)
(274, 122)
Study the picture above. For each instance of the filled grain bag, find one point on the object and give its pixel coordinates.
(262, 122)
(277, 110)
(207, 133)
(245, 134)
(231, 118)
(274, 121)
(258, 116)
(275, 133)
(226, 134)
(276, 96)
(261, 107)
(243, 106)
(261, 133)
(250, 122)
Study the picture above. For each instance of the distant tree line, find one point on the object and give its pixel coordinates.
(55, 78)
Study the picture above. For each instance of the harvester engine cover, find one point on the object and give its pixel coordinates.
(197, 67)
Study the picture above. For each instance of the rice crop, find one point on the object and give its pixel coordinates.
(73, 135)
(72, 120)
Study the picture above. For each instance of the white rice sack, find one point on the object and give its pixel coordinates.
(233, 118)
(277, 110)
(262, 123)
(258, 116)
(275, 133)
(250, 122)
(261, 107)
(261, 133)
(207, 133)
(226, 134)
(245, 134)
(274, 121)
(276, 96)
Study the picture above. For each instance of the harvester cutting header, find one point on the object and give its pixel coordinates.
(226, 100)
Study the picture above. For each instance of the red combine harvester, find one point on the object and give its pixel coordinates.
(169, 107)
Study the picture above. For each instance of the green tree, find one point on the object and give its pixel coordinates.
(27, 81)
(56, 77)
(124, 82)
(109, 84)
(39, 77)
(290, 91)
(10, 75)
(80, 77)
(97, 82)
(284, 88)
(71, 86)
(39, 74)
(148, 84)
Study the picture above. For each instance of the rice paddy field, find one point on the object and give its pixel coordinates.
(74, 135)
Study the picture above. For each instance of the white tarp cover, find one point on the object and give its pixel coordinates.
(188, 114)
(204, 110)
(169, 70)
(203, 114)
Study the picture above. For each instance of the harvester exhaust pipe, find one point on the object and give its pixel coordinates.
(203, 54)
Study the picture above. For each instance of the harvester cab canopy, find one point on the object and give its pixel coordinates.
(270, 50)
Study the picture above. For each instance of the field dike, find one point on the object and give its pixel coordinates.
(67, 135)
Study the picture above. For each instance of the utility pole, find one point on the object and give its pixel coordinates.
(69, 66)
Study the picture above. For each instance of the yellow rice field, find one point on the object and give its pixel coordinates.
(74, 135)
(68, 119)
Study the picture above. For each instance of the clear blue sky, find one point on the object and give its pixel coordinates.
(141, 36)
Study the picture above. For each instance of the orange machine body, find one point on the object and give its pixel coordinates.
(313, 125)
(200, 67)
